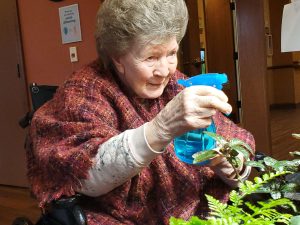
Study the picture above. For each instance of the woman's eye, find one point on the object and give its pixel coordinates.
(172, 57)
(173, 53)
(151, 58)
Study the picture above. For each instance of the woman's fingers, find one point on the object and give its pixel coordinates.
(202, 90)
(205, 97)
(214, 103)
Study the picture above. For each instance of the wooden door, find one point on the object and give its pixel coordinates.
(219, 45)
(13, 100)
(190, 46)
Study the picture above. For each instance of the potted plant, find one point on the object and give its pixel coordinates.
(278, 181)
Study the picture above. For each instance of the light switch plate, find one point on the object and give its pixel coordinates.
(73, 54)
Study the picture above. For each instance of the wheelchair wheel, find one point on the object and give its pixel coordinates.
(22, 221)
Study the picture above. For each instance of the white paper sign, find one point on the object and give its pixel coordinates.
(70, 24)
(290, 27)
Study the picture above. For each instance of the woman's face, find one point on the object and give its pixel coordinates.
(146, 70)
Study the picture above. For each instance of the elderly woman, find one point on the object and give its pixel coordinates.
(108, 131)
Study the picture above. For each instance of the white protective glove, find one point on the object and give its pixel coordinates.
(191, 109)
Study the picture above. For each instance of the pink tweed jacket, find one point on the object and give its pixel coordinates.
(88, 109)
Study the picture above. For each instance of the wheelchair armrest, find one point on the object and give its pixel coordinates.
(25, 121)
(65, 211)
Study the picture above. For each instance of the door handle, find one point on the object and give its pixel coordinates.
(196, 62)
(18, 70)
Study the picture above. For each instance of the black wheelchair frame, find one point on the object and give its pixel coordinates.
(64, 211)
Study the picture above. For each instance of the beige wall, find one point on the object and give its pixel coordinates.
(46, 58)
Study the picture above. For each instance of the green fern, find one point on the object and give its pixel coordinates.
(279, 178)
(249, 187)
(216, 206)
(244, 212)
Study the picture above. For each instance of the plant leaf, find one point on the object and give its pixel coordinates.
(237, 162)
(292, 195)
(289, 187)
(270, 161)
(216, 206)
(257, 164)
(204, 155)
(217, 137)
(275, 194)
(294, 163)
(293, 178)
(238, 142)
(295, 220)
(241, 150)
(258, 180)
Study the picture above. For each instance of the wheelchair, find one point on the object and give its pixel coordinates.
(64, 211)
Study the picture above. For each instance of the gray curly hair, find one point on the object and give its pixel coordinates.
(120, 23)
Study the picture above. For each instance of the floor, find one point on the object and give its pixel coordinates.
(284, 122)
(16, 202)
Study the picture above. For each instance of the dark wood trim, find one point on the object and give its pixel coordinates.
(253, 71)
(285, 106)
(287, 66)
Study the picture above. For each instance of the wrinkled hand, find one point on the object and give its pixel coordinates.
(191, 109)
(225, 171)
(222, 167)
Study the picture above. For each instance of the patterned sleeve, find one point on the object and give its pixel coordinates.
(228, 129)
(118, 159)
(114, 165)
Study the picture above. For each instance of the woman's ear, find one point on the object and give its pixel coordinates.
(118, 65)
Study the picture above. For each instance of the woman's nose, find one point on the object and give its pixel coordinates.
(162, 67)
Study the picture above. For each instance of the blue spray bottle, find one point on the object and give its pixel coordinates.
(194, 141)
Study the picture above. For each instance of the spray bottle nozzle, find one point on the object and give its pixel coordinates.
(216, 80)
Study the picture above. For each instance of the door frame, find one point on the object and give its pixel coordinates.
(252, 66)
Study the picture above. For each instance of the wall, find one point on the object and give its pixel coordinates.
(296, 60)
(283, 86)
(297, 85)
(46, 59)
(283, 75)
